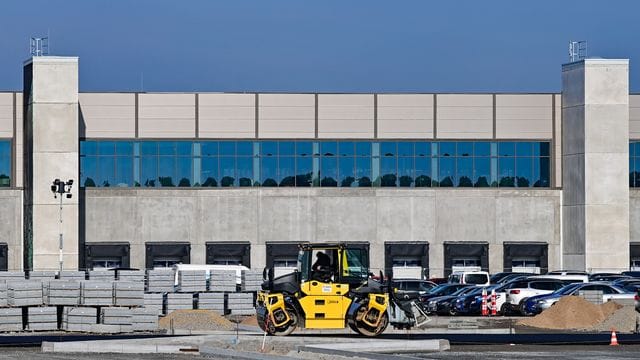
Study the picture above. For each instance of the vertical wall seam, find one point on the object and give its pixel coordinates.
(435, 116)
(257, 115)
(316, 117)
(197, 115)
(375, 116)
(494, 116)
(136, 116)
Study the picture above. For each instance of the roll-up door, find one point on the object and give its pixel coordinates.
(4, 257)
(167, 254)
(526, 257)
(465, 257)
(106, 255)
(229, 253)
(282, 257)
(634, 253)
(407, 260)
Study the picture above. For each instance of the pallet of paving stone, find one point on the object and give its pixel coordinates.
(62, 292)
(192, 281)
(72, 275)
(110, 329)
(104, 275)
(11, 275)
(11, 319)
(116, 316)
(252, 280)
(131, 275)
(3, 294)
(42, 318)
(128, 293)
(222, 281)
(154, 302)
(211, 301)
(96, 293)
(79, 318)
(144, 319)
(24, 293)
(179, 301)
(240, 301)
(160, 280)
(42, 275)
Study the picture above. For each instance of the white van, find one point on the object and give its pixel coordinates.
(479, 278)
(190, 267)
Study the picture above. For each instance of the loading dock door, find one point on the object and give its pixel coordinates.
(282, 257)
(407, 260)
(4, 257)
(634, 253)
(160, 255)
(225, 253)
(465, 256)
(106, 255)
(526, 257)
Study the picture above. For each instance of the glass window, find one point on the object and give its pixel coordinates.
(304, 148)
(329, 171)
(506, 172)
(422, 149)
(388, 148)
(422, 172)
(482, 148)
(405, 171)
(167, 170)
(482, 172)
(244, 171)
(464, 171)
(227, 171)
(227, 148)
(269, 148)
(541, 168)
(637, 171)
(106, 148)
(405, 148)
(286, 170)
(88, 171)
(388, 176)
(269, 172)
(149, 171)
(346, 148)
(524, 172)
(244, 148)
(506, 149)
(184, 175)
(541, 149)
(329, 148)
(124, 148)
(166, 148)
(124, 171)
(304, 171)
(184, 148)
(209, 148)
(447, 149)
(363, 148)
(209, 174)
(363, 171)
(86, 148)
(524, 149)
(346, 170)
(464, 149)
(149, 148)
(447, 170)
(106, 169)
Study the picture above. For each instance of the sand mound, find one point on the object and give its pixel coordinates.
(572, 312)
(250, 320)
(195, 320)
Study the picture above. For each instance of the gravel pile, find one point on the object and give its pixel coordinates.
(572, 312)
(195, 320)
(623, 320)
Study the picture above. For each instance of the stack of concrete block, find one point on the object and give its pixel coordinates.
(192, 281)
(62, 292)
(251, 280)
(3, 293)
(104, 275)
(24, 293)
(593, 296)
(42, 275)
(241, 304)
(144, 319)
(42, 318)
(128, 293)
(153, 302)
(96, 292)
(177, 301)
(79, 318)
(72, 275)
(131, 275)
(11, 275)
(222, 280)
(118, 319)
(11, 319)
(160, 280)
(211, 301)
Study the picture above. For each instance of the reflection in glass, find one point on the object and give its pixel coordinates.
(124, 171)
(464, 149)
(184, 172)
(287, 170)
(541, 172)
(405, 171)
(328, 172)
(346, 171)
(149, 171)
(388, 176)
(363, 171)
(423, 172)
(244, 171)
(88, 171)
(506, 172)
(304, 171)
(447, 168)
(106, 168)
(524, 172)
(167, 171)
(482, 172)
(269, 175)
(464, 167)
(227, 171)
(447, 149)
(209, 174)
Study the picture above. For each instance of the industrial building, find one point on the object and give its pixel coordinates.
(428, 183)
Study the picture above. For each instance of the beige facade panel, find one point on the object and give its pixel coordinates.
(107, 115)
(524, 116)
(227, 115)
(558, 140)
(345, 116)
(464, 116)
(634, 117)
(405, 116)
(6, 115)
(286, 115)
(166, 115)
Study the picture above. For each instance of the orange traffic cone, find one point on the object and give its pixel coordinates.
(614, 338)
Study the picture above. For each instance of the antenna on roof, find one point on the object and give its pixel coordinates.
(577, 50)
(39, 46)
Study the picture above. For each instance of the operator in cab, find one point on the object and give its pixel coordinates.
(321, 268)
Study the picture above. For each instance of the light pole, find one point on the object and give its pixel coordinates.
(61, 188)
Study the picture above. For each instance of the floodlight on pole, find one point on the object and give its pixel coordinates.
(61, 189)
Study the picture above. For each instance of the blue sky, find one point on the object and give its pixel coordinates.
(323, 46)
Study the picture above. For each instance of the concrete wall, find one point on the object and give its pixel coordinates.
(298, 214)
(11, 226)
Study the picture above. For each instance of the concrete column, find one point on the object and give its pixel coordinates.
(51, 138)
(595, 148)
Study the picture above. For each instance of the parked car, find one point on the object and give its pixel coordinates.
(568, 272)
(480, 278)
(514, 277)
(521, 290)
(442, 305)
(419, 286)
(637, 300)
(567, 278)
(537, 304)
(635, 274)
(495, 278)
(607, 277)
(471, 302)
(625, 281)
(442, 290)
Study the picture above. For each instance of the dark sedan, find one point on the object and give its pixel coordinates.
(466, 304)
(442, 290)
(442, 305)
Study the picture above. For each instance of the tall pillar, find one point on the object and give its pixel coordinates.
(51, 152)
(595, 169)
